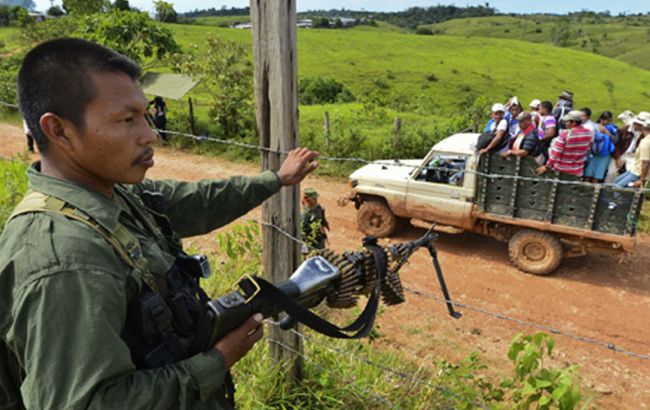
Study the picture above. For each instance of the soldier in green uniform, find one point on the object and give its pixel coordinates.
(93, 238)
(314, 225)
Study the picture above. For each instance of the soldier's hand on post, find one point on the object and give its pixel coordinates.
(299, 163)
(237, 343)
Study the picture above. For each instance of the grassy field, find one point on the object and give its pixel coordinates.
(222, 21)
(617, 39)
(360, 57)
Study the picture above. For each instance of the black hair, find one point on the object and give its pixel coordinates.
(606, 115)
(55, 77)
(548, 105)
(587, 111)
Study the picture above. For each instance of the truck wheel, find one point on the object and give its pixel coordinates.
(535, 252)
(375, 218)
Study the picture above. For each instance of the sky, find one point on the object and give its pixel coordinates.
(504, 6)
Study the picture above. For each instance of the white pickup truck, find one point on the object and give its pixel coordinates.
(543, 219)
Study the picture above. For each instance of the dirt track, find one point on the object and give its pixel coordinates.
(594, 296)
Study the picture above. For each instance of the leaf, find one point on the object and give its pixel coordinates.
(544, 400)
(559, 392)
(528, 389)
(550, 344)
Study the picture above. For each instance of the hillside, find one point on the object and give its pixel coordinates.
(627, 40)
(494, 68)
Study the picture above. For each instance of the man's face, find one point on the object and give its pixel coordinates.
(523, 124)
(115, 145)
(309, 202)
(584, 117)
(498, 116)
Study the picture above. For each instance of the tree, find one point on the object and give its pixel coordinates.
(131, 33)
(122, 5)
(28, 4)
(55, 11)
(85, 6)
(165, 12)
(228, 75)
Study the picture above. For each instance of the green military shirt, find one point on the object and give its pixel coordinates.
(64, 293)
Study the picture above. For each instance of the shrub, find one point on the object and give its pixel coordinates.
(424, 31)
(317, 90)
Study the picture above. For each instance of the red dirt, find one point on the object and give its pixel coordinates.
(594, 296)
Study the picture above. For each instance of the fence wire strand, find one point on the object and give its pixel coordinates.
(553, 330)
(399, 374)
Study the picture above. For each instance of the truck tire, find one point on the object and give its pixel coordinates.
(535, 252)
(375, 218)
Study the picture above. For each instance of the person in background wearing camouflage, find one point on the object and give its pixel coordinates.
(314, 225)
(86, 244)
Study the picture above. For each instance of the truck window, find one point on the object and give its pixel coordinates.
(444, 169)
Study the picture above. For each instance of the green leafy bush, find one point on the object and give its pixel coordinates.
(317, 90)
(13, 184)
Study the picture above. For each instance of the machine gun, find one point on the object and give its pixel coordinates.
(339, 279)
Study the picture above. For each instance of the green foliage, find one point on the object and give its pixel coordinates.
(84, 7)
(13, 185)
(464, 380)
(320, 22)
(131, 33)
(534, 383)
(165, 11)
(122, 5)
(55, 11)
(317, 90)
(16, 16)
(228, 78)
(424, 31)
(8, 76)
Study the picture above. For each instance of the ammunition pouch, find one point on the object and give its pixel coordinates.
(161, 327)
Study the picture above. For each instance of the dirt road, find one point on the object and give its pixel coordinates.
(594, 296)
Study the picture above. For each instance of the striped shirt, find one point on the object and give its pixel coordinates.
(569, 151)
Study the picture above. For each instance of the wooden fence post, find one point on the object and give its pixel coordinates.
(326, 129)
(396, 133)
(274, 51)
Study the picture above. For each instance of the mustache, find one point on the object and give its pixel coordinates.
(146, 153)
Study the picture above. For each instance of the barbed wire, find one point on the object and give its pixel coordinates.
(321, 368)
(397, 163)
(394, 163)
(553, 330)
(401, 375)
(498, 315)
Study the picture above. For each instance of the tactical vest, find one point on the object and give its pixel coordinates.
(166, 321)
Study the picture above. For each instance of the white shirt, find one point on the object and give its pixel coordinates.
(591, 126)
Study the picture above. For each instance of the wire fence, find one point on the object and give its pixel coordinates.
(416, 292)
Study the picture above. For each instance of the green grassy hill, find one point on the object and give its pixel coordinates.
(448, 69)
(627, 40)
(431, 81)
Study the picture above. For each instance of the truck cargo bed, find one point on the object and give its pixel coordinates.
(552, 199)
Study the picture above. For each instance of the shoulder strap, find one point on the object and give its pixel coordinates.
(124, 243)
